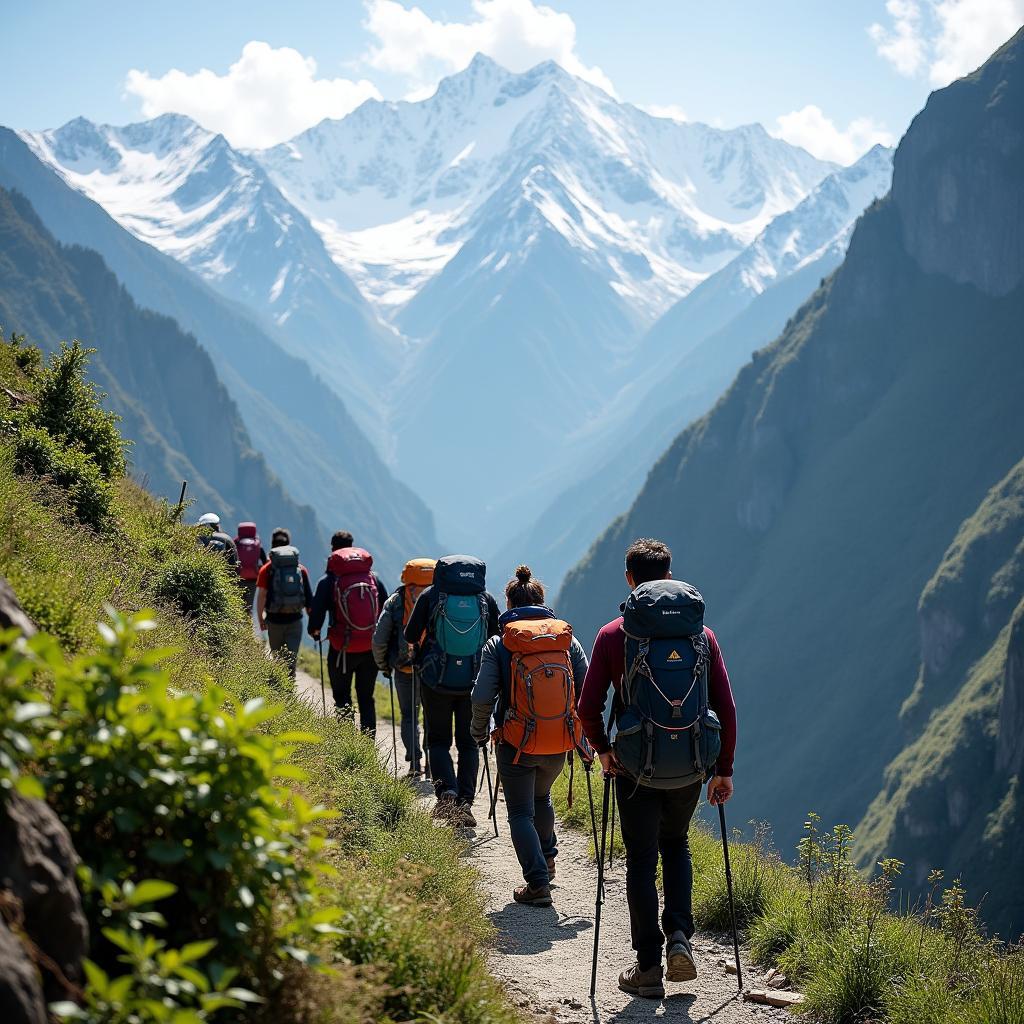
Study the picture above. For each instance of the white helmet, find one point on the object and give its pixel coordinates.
(209, 519)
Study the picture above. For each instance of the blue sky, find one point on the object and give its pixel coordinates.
(834, 75)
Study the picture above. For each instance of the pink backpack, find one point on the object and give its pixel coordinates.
(356, 601)
(248, 545)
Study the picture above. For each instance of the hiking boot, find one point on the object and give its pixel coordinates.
(551, 868)
(445, 807)
(681, 965)
(533, 897)
(464, 814)
(647, 984)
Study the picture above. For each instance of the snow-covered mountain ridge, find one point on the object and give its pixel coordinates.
(397, 188)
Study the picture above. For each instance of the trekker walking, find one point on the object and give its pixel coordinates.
(534, 672)
(282, 595)
(213, 538)
(670, 684)
(351, 596)
(449, 625)
(393, 655)
(251, 558)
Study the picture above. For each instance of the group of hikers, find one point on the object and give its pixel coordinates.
(652, 704)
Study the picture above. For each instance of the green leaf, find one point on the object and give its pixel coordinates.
(120, 988)
(149, 891)
(298, 736)
(197, 978)
(243, 995)
(196, 950)
(96, 978)
(29, 786)
(32, 709)
(118, 938)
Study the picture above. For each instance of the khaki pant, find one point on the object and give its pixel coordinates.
(286, 638)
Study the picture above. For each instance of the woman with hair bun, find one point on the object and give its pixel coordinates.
(533, 671)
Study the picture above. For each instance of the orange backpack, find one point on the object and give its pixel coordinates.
(417, 575)
(541, 715)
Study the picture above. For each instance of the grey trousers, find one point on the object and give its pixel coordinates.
(286, 638)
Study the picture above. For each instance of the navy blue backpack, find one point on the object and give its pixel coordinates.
(667, 737)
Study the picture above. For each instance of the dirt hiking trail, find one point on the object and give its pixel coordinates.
(543, 954)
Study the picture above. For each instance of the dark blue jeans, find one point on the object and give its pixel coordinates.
(440, 712)
(531, 816)
(656, 821)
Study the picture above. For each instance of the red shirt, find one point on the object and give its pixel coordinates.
(607, 668)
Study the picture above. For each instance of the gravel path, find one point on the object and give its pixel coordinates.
(543, 955)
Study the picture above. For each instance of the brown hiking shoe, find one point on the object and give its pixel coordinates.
(464, 815)
(647, 984)
(681, 965)
(551, 868)
(446, 808)
(531, 897)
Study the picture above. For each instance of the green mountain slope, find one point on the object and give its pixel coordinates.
(294, 419)
(953, 796)
(164, 385)
(812, 504)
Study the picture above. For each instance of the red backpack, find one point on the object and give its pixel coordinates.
(248, 545)
(356, 600)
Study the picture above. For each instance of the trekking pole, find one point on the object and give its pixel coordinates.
(181, 501)
(600, 883)
(491, 792)
(493, 812)
(611, 844)
(394, 740)
(415, 725)
(323, 692)
(732, 905)
(588, 768)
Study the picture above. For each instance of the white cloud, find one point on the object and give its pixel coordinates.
(672, 111)
(902, 45)
(820, 136)
(516, 33)
(945, 38)
(267, 96)
(970, 30)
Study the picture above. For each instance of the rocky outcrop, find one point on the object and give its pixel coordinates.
(957, 188)
(43, 932)
(1010, 742)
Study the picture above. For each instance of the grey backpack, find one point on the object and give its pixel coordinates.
(287, 595)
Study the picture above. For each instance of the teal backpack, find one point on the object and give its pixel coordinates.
(458, 624)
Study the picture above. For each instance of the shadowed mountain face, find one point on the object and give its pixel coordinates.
(294, 419)
(176, 411)
(812, 504)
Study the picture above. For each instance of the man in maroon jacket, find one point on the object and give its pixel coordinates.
(655, 821)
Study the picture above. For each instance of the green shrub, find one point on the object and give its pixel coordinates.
(89, 496)
(196, 587)
(780, 927)
(999, 998)
(757, 876)
(180, 788)
(70, 409)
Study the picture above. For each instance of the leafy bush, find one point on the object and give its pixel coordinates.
(69, 408)
(193, 585)
(89, 496)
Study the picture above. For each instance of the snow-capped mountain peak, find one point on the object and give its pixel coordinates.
(397, 188)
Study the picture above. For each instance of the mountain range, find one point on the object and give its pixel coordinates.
(512, 241)
(859, 477)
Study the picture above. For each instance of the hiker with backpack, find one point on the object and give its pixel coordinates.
(534, 672)
(393, 655)
(350, 597)
(675, 728)
(449, 624)
(282, 595)
(213, 538)
(251, 558)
